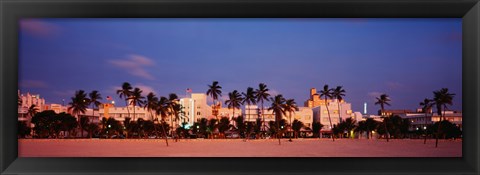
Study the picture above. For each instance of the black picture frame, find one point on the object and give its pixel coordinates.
(12, 10)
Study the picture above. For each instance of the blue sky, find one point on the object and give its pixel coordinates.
(405, 58)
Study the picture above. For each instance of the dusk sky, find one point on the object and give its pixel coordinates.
(405, 58)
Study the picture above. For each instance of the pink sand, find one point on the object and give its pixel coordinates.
(236, 148)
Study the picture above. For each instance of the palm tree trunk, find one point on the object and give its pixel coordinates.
(339, 113)
(278, 130)
(290, 127)
(134, 114)
(425, 138)
(263, 120)
(128, 110)
(385, 124)
(171, 125)
(248, 120)
(164, 133)
(439, 127)
(330, 120)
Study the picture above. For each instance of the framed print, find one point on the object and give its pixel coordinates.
(187, 87)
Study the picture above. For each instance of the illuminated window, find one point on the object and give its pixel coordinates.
(349, 111)
(325, 112)
(335, 111)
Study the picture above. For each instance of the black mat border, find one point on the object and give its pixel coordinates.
(11, 11)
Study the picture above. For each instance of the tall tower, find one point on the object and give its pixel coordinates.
(312, 91)
(365, 108)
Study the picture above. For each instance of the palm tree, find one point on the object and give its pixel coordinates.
(370, 125)
(338, 93)
(349, 125)
(84, 122)
(79, 105)
(94, 97)
(278, 108)
(223, 125)
(173, 108)
(296, 126)
(162, 110)
(442, 98)
(32, 110)
(316, 128)
(136, 98)
(249, 99)
(125, 93)
(214, 91)
(234, 101)
(426, 106)
(290, 106)
(327, 93)
(382, 101)
(262, 94)
(151, 105)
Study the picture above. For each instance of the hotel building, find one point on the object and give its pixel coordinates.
(27, 101)
(320, 112)
(418, 120)
(195, 108)
(303, 114)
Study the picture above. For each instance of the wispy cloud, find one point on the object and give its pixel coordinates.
(394, 85)
(33, 84)
(145, 89)
(135, 65)
(374, 95)
(273, 92)
(65, 94)
(38, 27)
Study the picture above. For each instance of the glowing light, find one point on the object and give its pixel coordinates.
(365, 108)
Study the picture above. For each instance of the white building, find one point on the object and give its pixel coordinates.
(320, 113)
(108, 110)
(303, 114)
(195, 108)
(27, 101)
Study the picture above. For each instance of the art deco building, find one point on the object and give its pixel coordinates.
(338, 110)
(195, 108)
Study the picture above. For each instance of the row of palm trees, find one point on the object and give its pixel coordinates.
(441, 99)
(279, 105)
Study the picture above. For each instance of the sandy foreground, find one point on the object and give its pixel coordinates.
(236, 148)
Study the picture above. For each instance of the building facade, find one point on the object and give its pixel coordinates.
(195, 108)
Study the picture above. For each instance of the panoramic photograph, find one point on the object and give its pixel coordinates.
(256, 87)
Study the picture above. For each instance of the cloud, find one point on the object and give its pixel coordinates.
(135, 65)
(65, 94)
(38, 28)
(273, 92)
(374, 95)
(146, 89)
(33, 84)
(394, 85)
